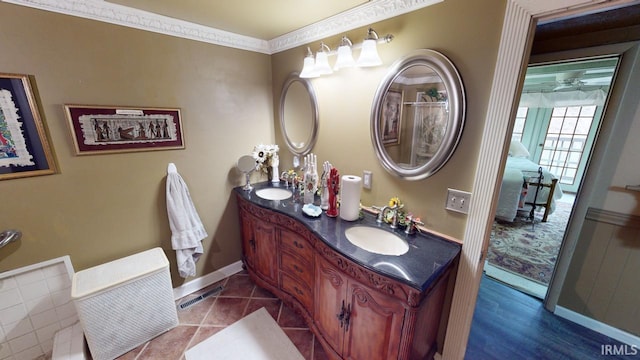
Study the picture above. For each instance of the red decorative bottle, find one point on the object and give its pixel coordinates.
(333, 185)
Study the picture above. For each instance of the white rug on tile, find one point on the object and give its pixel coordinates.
(254, 337)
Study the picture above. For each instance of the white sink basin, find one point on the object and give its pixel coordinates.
(376, 240)
(273, 193)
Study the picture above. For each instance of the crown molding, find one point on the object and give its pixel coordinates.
(99, 10)
(121, 15)
(363, 15)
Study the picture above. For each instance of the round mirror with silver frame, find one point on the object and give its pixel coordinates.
(418, 114)
(298, 114)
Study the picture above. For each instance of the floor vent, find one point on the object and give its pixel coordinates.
(186, 304)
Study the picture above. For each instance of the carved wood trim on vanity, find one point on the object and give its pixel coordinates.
(376, 281)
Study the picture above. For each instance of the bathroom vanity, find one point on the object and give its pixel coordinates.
(360, 305)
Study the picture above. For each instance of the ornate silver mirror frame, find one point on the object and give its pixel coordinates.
(298, 114)
(411, 142)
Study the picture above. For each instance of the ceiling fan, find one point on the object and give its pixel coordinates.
(569, 80)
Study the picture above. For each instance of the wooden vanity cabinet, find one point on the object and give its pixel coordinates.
(357, 321)
(355, 313)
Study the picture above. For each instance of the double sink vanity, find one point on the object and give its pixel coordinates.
(365, 290)
(359, 303)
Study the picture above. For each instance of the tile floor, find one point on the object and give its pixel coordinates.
(239, 297)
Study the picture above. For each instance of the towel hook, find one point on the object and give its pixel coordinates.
(9, 236)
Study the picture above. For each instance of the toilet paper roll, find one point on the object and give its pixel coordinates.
(350, 187)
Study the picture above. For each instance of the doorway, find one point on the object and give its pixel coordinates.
(556, 126)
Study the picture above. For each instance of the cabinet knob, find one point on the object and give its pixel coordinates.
(298, 245)
(252, 243)
(297, 268)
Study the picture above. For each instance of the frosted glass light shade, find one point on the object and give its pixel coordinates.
(322, 63)
(308, 69)
(345, 58)
(369, 54)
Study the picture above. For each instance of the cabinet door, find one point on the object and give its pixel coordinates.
(266, 261)
(330, 303)
(248, 240)
(375, 324)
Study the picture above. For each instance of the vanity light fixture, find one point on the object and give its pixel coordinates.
(314, 67)
(369, 54)
(308, 69)
(322, 60)
(345, 55)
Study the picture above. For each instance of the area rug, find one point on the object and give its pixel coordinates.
(256, 336)
(527, 249)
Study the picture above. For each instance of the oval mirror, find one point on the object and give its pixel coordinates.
(418, 115)
(298, 114)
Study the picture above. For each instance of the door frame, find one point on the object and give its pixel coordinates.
(519, 23)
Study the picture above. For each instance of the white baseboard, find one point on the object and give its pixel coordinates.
(206, 280)
(598, 326)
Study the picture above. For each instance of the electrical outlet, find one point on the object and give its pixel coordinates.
(366, 179)
(458, 201)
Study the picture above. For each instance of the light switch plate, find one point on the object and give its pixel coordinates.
(366, 179)
(458, 201)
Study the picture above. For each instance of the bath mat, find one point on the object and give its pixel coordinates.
(254, 337)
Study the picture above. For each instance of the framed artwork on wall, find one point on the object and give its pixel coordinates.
(24, 144)
(115, 129)
(391, 117)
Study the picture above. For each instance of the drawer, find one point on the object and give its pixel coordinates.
(297, 290)
(296, 244)
(294, 267)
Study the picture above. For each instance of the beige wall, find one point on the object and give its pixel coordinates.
(102, 207)
(467, 33)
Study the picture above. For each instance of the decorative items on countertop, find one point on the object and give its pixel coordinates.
(324, 195)
(246, 164)
(403, 219)
(310, 178)
(333, 187)
(311, 210)
(267, 161)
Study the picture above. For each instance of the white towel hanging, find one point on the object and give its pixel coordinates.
(186, 228)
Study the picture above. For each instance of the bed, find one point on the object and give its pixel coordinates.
(516, 196)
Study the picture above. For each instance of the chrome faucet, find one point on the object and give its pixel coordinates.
(394, 217)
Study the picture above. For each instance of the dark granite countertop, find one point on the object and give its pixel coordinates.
(427, 258)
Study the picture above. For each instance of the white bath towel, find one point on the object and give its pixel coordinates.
(187, 230)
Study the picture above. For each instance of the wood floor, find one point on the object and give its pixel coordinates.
(508, 324)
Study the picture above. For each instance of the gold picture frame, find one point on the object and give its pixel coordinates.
(24, 145)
